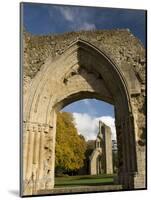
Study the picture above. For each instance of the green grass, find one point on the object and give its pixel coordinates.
(87, 180)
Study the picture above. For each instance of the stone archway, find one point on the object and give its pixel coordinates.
(81, 71)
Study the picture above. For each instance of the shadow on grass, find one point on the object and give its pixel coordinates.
(96, 177)
(83, 184)
(85, 180)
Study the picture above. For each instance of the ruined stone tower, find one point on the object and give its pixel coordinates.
(101, 157)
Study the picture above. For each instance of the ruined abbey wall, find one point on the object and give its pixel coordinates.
(120, 45)
(108, 65)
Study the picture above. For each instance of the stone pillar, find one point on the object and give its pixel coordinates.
(51, 162)
(107, 149)
(139, 110)
(135, 157)
(120, 152)
(129, 152)
(28, 148)
(140, 176)
(38, 157)
(127, 168)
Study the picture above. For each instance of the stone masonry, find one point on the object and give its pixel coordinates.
(58, 70)
(101, 157)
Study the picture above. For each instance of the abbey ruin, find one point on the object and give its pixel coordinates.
(58, 70)
(101, 161)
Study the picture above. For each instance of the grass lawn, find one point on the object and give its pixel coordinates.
(86, 180)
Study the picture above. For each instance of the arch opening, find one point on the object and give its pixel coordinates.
(82, 71)
(97, 159)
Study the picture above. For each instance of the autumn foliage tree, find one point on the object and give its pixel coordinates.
(70, 147)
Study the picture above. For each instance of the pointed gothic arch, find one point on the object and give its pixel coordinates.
(82, 71)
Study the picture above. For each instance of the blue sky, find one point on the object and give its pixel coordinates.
(88, 113)
(51, 19)
(94, 107)
(45, 19)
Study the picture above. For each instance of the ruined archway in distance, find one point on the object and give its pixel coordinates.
(82, 69)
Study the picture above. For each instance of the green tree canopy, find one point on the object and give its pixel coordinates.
(70, 147)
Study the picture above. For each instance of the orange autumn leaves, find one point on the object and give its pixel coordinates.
(70, 147)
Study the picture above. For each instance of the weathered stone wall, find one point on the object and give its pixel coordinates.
(108, 65)
(121, 46)
(107, 149)
(101, 157)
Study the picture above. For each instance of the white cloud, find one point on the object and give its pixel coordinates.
(87, 26)
(88, 125)
(78, 20)
(68, 13)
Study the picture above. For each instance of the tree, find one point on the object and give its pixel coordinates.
(70, 147)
